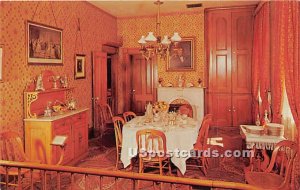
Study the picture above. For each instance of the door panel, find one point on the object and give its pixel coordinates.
(142, 76)
(99, 83)
(242, 26)
(220, 106)
(228, 49)
(219, 47)
(242, 109)
(100, 76)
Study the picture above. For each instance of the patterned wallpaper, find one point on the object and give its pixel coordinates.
(16, 71)
(188, 25)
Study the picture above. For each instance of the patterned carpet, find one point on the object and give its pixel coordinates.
(102, 155)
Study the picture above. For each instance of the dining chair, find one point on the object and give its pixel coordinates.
(118, 125)
(104, 120)
(11, 149)
(186, 109)
(152, 150)
(201, 144)
(128, 115)
(279, 172)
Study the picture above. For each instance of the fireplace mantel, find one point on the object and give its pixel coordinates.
(194, 95)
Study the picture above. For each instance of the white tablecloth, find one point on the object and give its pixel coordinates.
(260, 141)
(181, 136)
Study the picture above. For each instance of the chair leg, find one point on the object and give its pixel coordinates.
(170, 169)
(117, 162)
(204, 165)
(141, 170)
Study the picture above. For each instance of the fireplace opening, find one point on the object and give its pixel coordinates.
(181, 106)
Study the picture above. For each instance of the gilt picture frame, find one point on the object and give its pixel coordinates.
(44, 44)
(181, 58)
(80, 66)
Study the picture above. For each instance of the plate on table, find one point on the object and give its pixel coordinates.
(253, 129)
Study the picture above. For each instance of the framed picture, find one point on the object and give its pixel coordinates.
(181, 58)
(1, 62)
(44, 44)
(79, 66)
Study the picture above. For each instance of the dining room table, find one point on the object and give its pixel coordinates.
(181, 134)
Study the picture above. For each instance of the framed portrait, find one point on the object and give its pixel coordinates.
(44, 44)
(1, 62)
(79, 66)
(181, 57)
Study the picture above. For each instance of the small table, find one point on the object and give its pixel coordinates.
(180, 137)
(260, 143)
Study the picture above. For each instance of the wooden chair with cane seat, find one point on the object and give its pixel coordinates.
(152, 151)
(118, 125)
(11, 149)
(201, 144)
(104, 122)
(279, 172)
(128, 115)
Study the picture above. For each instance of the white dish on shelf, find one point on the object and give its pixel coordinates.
(189, 85)
(169, 85)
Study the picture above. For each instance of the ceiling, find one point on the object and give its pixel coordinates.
(123, 8)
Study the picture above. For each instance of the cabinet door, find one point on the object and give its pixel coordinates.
(63, 127)
(80, 132)
(80, 140)
(220, 106)
(242, 27)
(242, 109)
(219, 51)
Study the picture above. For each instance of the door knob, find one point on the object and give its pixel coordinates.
(233, 109)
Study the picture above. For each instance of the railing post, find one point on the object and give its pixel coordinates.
(100, 182)
(58, 180)
(6, 177)
(31, 179)
(85, 181)
(19, 179)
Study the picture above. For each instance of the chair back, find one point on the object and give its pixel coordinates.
(203, 132)
(11, 147)
(128, 115)
(282, 159)
(118, 125)
(104, 115)
(186, 109)
(151, 141)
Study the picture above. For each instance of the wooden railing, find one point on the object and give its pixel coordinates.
(45, 169)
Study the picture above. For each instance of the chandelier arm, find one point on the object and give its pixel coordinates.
(157, 45)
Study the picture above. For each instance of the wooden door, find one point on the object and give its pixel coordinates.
(241, 109)
(142, 83)
(219, 51)
(99, 82)
(242, 27)
(228, 49)
(220, 107)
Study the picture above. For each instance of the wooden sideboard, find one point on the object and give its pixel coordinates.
(40, 130)
(39, 133)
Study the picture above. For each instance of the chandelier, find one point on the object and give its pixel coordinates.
(151, 45)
